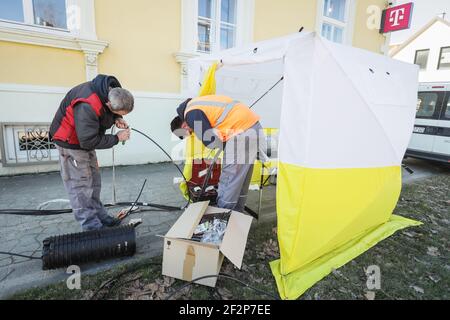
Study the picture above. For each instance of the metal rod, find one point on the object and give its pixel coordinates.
(265, 93)
(113, 173)
(260, 187)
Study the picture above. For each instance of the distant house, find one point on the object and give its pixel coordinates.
(430, 49)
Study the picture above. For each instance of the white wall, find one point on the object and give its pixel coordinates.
(437, 36)
(152, 115)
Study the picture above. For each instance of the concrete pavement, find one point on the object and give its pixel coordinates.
(24, 234)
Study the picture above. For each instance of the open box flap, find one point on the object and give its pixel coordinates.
(215, 210)
(235, 238)
(185, 226)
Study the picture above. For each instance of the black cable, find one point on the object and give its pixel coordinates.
(265, 93)
(162, 149)
(208, 174)
(268, 175)
(37, 213)
(27, 212)
(133, 268)
(20, 255)
(153, 205)
(226, 276)
(137, 199)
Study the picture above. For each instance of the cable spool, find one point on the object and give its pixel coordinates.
(78, 248)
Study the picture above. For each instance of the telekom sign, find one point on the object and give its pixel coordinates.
(396, 18)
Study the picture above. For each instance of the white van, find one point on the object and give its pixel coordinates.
(431, 135)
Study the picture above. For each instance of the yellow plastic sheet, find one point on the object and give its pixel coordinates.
(209, 82)
(326, 217)
(195, 149)
(268, 166)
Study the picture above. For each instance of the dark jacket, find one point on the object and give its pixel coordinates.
(83, 117)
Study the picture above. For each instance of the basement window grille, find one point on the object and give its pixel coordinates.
(27, 144)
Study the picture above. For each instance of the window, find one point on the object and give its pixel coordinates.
(334, 20)
(426, 104)
(444, 58)
(11, 10)
(447, 108)
(331, 32)
(27, 144)
(421, 58)
(48, 13)
(216, 25)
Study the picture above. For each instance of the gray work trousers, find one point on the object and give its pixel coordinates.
(239, 156)
(82, 181)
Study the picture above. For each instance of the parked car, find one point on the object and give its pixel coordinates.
(431, 134)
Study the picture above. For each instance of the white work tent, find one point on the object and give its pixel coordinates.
(345, 116)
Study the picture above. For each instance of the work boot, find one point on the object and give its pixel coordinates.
(110, 221)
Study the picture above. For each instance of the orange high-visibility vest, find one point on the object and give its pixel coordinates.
(229, 117)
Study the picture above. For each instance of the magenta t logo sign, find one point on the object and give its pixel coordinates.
(396, 18)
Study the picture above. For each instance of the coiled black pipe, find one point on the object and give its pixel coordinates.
(89, 246)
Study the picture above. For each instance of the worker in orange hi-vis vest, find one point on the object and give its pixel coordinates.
(221, 122)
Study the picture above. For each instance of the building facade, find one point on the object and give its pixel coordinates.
(49, 46)
(430, 49)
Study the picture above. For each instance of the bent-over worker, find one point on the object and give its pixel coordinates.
(221, 122)
(78, 128)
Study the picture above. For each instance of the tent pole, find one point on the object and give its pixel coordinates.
(113, 173)
(261, 182)
(265, 93)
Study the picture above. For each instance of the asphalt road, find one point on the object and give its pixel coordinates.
(422, 169)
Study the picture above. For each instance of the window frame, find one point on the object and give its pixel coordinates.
(347, 26)
(80, 36)
(437, 108)
(80, 19)
(428, 55)
(445, 107)
(6, 128)
(189, 29)
(440, 58)
(216, 25)
(189, 33)
(29, 21)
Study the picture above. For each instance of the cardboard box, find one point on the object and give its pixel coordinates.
(186, 259)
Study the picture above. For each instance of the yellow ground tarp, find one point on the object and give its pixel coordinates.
(294, 284)
(319, 210)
